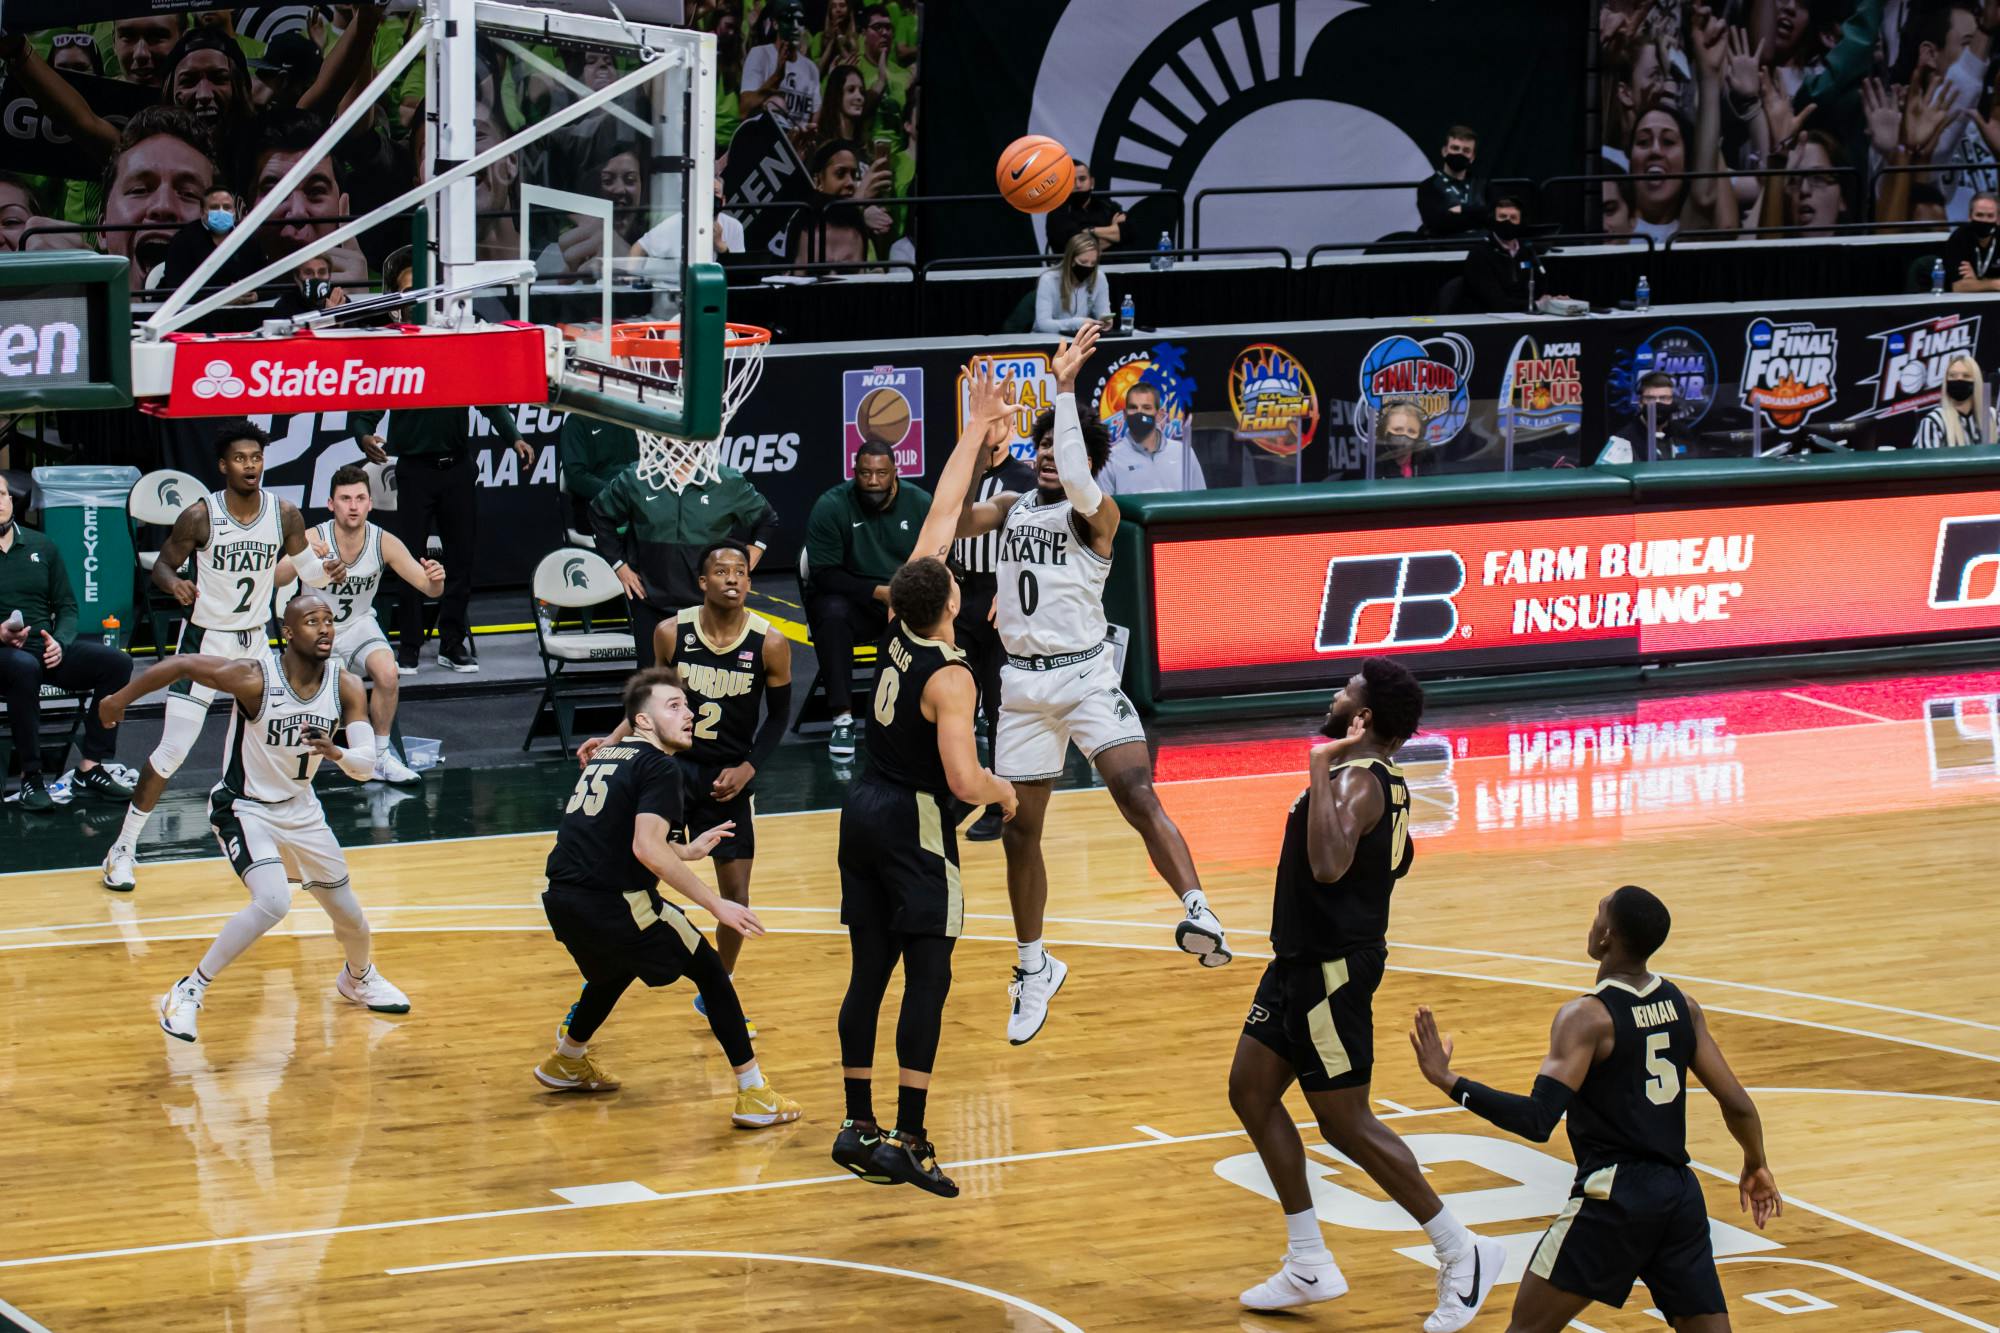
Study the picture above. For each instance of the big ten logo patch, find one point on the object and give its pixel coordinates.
(1788, 371)
(1533, 1187)
(1034, 393)
(884, 405)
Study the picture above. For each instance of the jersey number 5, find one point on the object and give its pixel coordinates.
(591, 790)
(1664, 1083)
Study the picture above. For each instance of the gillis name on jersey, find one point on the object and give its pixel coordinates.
(245, 557)
(289, 733)
(714, 682)
(1035, 546)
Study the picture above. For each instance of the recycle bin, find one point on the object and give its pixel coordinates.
(83, 512)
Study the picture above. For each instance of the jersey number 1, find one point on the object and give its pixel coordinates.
(1664, 1081)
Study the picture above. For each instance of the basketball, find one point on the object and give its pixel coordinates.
(1035, 174)
(883, 415)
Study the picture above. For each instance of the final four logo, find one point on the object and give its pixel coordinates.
(1273, 398)
(1542, 390)
(1788, 371)
(1163, 369)
(1435, 375)
(1910, 375)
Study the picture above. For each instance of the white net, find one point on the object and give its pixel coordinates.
(667, 462)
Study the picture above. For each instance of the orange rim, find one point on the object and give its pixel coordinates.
(661, 340)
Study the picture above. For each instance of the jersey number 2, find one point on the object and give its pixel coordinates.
(1663, 1083)
(705, 721)
(592, 789)
(246, 586)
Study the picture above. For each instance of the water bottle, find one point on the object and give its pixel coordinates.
(1643, 299)
(111, 631)
(1128, 315)
(1937, 277)
(1162, 258)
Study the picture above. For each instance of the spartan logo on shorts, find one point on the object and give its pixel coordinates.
(1417, 588)
(1966, 548)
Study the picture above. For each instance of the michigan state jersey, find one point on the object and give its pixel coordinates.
(1632, 1106)
(1324, 921)
(236, 570)
(1051, 595)
(594, 841)
(265, 756)
(353, 597)
(725, 687)
(901, 742)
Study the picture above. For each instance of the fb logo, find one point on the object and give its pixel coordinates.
(1964, 546)
(1417, 588)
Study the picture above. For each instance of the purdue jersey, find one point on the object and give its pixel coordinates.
(901, 743)
(593, 848)
(725, 686)
(236, 570)
(1051, 595)
(1632, 1106)
(1325, 921)
(265, 756)
(353, 597)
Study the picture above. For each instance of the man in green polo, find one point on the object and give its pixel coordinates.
(858, 536)
(38, 646)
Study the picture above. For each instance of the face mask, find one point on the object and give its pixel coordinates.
(220, 221)
(876, 500)
(1982, 231)
(1507, 231)
(1139, 424)
(1959, 391)
(1458, 161)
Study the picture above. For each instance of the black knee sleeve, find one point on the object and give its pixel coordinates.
(873, 953)
(926, 983)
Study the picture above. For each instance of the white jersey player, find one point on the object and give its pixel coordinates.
(1059, 684)
(285, 710)
(244, 542)
(365, 552)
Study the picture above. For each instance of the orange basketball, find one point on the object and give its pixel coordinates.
(1035, 173)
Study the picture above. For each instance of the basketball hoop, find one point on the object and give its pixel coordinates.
(653, 349)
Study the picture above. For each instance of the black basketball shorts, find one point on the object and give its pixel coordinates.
(701, 812)
(614, 937)
(1320, 1016)
(899, 860)
(1642, 1221)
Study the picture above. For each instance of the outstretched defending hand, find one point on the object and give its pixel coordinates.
(1071, 355)
(1433, 1051)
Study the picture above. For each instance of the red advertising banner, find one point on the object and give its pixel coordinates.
(1641, 585)
(387, 368)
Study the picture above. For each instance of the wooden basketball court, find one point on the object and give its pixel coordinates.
(1828, 852)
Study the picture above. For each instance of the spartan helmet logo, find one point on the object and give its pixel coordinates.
(1121, 709)
(573, 576)
(169, 491)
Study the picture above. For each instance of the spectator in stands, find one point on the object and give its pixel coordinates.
(44, 649)
(1963, 415)
(75, 53)
(1619, 211)
(495, 195)
(194, 243)
(779, 76)
(837, 42)
(19, 207)
(1074, 292)
(1971, 259)
(1671, 438)
(1638, 70)
(287, 71)
(979, 557)
(888, 78)
(836, 176)
(1402, 442)
(1813, 200)
(142, 45)
(1667, 201)
(1452, 201)
(312, 288)
(654, 536)
(437, 478)
(154, 183)
(1497, 271)
(859, 534)
(844, 109)
(308, 212)
(1085, 211)
(1145, 459)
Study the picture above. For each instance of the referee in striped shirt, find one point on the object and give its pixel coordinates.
(978, 558)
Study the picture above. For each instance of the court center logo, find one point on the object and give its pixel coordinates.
(1909, 375)
(1034, 390)
(1788, 371)
(1435, 375)
(1679, 353)
(1965, 573)
(1417, 587)
(1162, 369)
(884, 404)
(1273, 399)
(1542, 391)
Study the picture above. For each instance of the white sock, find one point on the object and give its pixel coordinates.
(750, 1077)
(1032, 957)
(381, 746)
(199, 981)
(135, 824)
(1194, 901)
(1448, 1235)
(570, 1049)
(1307, 1241)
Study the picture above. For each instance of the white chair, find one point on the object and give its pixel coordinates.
(382, 484)
(157, 499)
(583, 660)
(574, 536)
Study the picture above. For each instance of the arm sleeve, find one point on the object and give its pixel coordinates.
(503, 422)
(310, 569)
(1073, 460)
(606, 516)
(1534, 1116)
(777, 716)
(358, 759)
(62, 602)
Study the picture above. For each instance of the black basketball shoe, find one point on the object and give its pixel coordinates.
(912, 1161)
(854, 1148)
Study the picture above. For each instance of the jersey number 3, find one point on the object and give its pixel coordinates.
(591, 790)
(1663, 1082)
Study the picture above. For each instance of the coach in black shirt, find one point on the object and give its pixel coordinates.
(1498, 269)
(1971, 255)
(978, 558)
(1451, 201)
(1085, 210)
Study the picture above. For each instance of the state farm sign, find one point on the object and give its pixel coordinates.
(393, 368)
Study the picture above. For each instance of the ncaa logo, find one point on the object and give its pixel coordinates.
(1966, 546)
(1417, 587)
